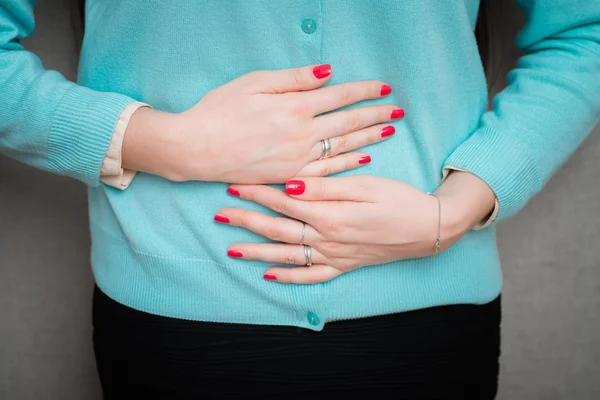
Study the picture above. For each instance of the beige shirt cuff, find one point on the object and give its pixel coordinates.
(482, 224)
(111, 172)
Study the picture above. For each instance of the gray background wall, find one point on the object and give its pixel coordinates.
(550, 253)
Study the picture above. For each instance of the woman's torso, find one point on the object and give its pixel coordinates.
(170, 54)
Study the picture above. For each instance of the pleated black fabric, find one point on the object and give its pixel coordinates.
(448, 352)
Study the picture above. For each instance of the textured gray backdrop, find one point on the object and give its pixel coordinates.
(550, 253)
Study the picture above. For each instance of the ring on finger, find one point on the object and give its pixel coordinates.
(307, 255)
(303, 233)
(325, 149)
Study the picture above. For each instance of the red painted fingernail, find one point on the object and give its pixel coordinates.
(365, 160)
(235, 254)
(399, 113)
(222, 219)
(322, 71)
(233, 192)
(270, 277)
(295, 187)
(385, 90)
(388, 131)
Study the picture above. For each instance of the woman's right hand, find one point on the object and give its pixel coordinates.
(263, 127)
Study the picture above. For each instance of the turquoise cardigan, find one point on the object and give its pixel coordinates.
(155, 246)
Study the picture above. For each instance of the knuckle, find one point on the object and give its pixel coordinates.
(346, 97)
(298, 108)
(325, 170)
(353, 121)
(274, 233)
(331, 225)
(296, 77)
(322, 188)
(280, 207)
(341, 145)
(290, 259)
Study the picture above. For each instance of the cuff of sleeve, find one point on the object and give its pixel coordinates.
(81, 131)
(111, 172)
(503, 164)
(484, 223)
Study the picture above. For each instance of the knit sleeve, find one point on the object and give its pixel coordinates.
(47, 121)
(551, 103)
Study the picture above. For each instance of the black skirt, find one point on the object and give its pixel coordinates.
(447, 352)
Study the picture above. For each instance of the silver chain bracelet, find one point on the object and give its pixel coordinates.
(438, 238)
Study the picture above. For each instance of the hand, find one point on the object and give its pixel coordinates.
(264, 127)
(354, 221)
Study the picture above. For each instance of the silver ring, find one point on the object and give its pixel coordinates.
(303, 233)
(325, 149)
(307, 255)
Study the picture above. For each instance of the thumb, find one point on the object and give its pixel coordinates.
(289, 80)
(349, 188)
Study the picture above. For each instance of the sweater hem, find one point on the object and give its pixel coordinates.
(204, 290)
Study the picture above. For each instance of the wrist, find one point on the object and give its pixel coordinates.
(149, 143)
(465, 200)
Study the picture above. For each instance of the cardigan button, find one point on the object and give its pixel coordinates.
(313, 318)
(309, 26)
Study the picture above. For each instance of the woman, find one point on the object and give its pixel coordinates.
(213, 283)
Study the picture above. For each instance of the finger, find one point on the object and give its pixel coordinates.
(292, 254)
(304, 275)
(277, 201)
(348, 188)
(286, 80)
(275, 228)
(347, 121)
(355, 140)
(337, 96)
(334, 165)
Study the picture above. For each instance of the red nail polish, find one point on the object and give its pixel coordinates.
(399, 113)
(385, 90)
(388, 131)
(233, 192)
(234, 254)
(295, 187)
(322, 71)
(222, 219)
(270, 277)
(365, 160)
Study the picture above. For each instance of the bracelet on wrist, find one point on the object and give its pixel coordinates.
(438, 238)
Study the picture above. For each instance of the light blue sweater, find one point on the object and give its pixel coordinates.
(155, 246)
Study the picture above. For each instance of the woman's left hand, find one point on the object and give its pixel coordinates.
(351, 222)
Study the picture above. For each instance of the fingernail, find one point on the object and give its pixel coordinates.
(270, 277)
(233, 192)
(234, 254)
(385, 90)
(322, 71)
(365, 160)
(399, 113)
(295, 187)
(222, 219)
(388, 131)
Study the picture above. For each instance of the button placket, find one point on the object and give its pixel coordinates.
(310, 27)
